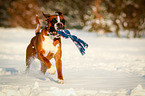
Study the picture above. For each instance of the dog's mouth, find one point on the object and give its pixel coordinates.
(54, 33)
(55, 28)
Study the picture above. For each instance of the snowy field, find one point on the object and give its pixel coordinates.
(110, 67)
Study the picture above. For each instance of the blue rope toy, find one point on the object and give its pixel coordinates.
(81, 45)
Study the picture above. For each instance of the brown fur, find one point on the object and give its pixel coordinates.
(35, 49)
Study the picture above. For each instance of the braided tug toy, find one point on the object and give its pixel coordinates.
(81, 45)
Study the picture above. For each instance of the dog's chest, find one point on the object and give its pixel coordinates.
(48, 46)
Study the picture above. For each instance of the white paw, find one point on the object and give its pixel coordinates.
(27, 70)
(60, 81)
(51, 70)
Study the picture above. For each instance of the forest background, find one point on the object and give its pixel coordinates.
(92, 15)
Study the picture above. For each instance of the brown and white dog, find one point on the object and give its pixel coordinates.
(47, 45)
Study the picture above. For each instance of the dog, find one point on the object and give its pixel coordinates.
(46, 44)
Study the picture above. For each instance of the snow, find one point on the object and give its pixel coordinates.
(110, 67)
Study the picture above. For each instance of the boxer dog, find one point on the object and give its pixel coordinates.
(46, 44)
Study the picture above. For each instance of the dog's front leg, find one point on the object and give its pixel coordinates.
(59, 71)
(45, 63)
(58, 61)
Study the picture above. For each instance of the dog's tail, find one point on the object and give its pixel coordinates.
(38, 25)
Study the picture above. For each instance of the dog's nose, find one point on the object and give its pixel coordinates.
(60, 25)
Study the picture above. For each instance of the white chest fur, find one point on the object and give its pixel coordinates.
(48, 46)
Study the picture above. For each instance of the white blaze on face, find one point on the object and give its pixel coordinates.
(48, 45)
(58, 19)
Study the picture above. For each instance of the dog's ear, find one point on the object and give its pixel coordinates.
(46, 15)
(58, 13)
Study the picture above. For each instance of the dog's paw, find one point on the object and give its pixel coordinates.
(51, 70)
(60, 81)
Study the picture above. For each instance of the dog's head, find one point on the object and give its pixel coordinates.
(55, 22)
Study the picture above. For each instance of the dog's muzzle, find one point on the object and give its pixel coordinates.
(58, 25)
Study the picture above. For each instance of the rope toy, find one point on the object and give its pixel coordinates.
(81, 45)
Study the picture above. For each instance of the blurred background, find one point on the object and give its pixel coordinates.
(93, 15)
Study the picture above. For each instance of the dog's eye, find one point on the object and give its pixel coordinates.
(54, 20)
(63, 21)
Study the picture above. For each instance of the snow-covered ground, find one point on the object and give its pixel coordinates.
(110, 67)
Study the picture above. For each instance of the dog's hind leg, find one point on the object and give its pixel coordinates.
(43, 67)
(30, 56)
